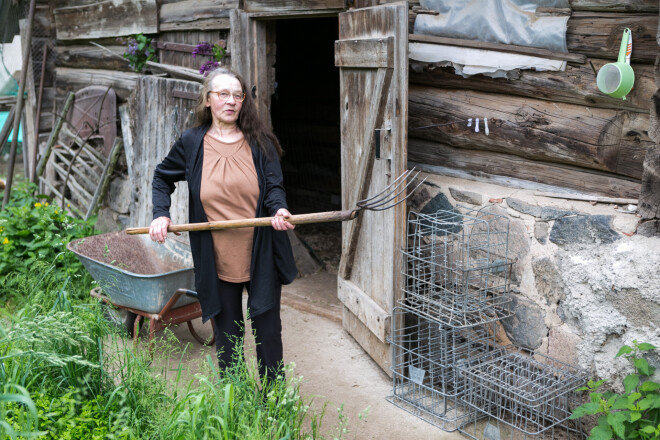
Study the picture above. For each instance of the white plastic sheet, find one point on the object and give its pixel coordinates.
(495, 21)
(469, 61)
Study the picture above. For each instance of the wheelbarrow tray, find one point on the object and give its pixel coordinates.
(145, 292)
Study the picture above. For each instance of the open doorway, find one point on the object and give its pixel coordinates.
(305, 117)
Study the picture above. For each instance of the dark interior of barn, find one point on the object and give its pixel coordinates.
(305, 115)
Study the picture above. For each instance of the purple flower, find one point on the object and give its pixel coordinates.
(203, 48)
(208, 67)
(132, 47)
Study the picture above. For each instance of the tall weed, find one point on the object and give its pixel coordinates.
(72, 375)
(232, 404)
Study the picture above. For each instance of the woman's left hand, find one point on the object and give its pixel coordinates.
(279, 221)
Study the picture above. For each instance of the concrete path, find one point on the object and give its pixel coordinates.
(334, 367)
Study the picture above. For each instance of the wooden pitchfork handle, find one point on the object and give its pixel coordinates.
(318, 217)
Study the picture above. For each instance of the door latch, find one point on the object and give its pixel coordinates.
(377, 135)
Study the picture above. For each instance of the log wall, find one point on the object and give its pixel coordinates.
(552, 128)
(546, 120)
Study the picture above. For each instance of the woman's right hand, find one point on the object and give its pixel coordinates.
(158, 229)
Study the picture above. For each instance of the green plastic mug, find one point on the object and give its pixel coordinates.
(617, 79)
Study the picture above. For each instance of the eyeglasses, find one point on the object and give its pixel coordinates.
(224, 95)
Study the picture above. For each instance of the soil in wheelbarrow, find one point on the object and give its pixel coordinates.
(126, 252)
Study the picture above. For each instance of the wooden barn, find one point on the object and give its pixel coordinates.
(354, 109)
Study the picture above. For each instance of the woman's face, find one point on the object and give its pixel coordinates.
(224, 110)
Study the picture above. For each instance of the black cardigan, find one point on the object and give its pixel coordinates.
(272, 261)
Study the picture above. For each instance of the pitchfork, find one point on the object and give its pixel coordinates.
(385, 199)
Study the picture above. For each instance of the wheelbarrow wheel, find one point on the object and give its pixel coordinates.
(120, 318)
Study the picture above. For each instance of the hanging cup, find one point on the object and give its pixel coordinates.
(617, 79)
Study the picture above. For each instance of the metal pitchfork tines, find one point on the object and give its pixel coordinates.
(386, 199)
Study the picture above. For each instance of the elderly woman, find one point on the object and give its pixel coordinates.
(230, 160)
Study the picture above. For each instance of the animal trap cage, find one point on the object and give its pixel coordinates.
(425, 351)
(447, 368)
(490, 428)
(457, 259)
(530, 393)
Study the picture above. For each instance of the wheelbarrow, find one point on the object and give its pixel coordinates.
(142, 279)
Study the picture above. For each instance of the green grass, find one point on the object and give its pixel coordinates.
(67, 373)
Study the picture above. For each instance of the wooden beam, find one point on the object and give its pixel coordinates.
(516, 172)
(290, 5)
(598, 199)
(104, 182)
(577, 85)
(196, 15)
(365, 53)
(650, 6)
(509, 48)
(364, 308)
(107, 18)
(92, 57)
(599, 139)
(74, 79)
(598, 35)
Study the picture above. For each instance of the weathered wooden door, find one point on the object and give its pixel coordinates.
(248, 48)
(372, 56)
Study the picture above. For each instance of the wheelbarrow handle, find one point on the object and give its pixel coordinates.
(317, 217)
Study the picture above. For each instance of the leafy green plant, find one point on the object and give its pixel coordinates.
(82, 379)
(139, 50)
(18, 413)
(635, 414)
(33, 230)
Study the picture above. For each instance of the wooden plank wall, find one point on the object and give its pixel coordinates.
(556, 123)
(176, 26)
(159, 115)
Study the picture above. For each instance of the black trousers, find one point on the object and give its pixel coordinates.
(230, 330)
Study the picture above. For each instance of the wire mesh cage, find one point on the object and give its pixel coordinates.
(424, 354)
(529, 393)
(490, 428)
(457, 259)
(458, 319)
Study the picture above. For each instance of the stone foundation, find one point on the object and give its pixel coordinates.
(585, 281)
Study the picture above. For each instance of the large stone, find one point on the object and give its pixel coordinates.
(649, 228)
(583, 229)
(541, 230)
(470, 197)
(526, 328)
(421, 196)
(451, 218)
(562, 345)
(438, 203)
(119, 195)
(625, 224)
(549, 283)
(543, 212)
